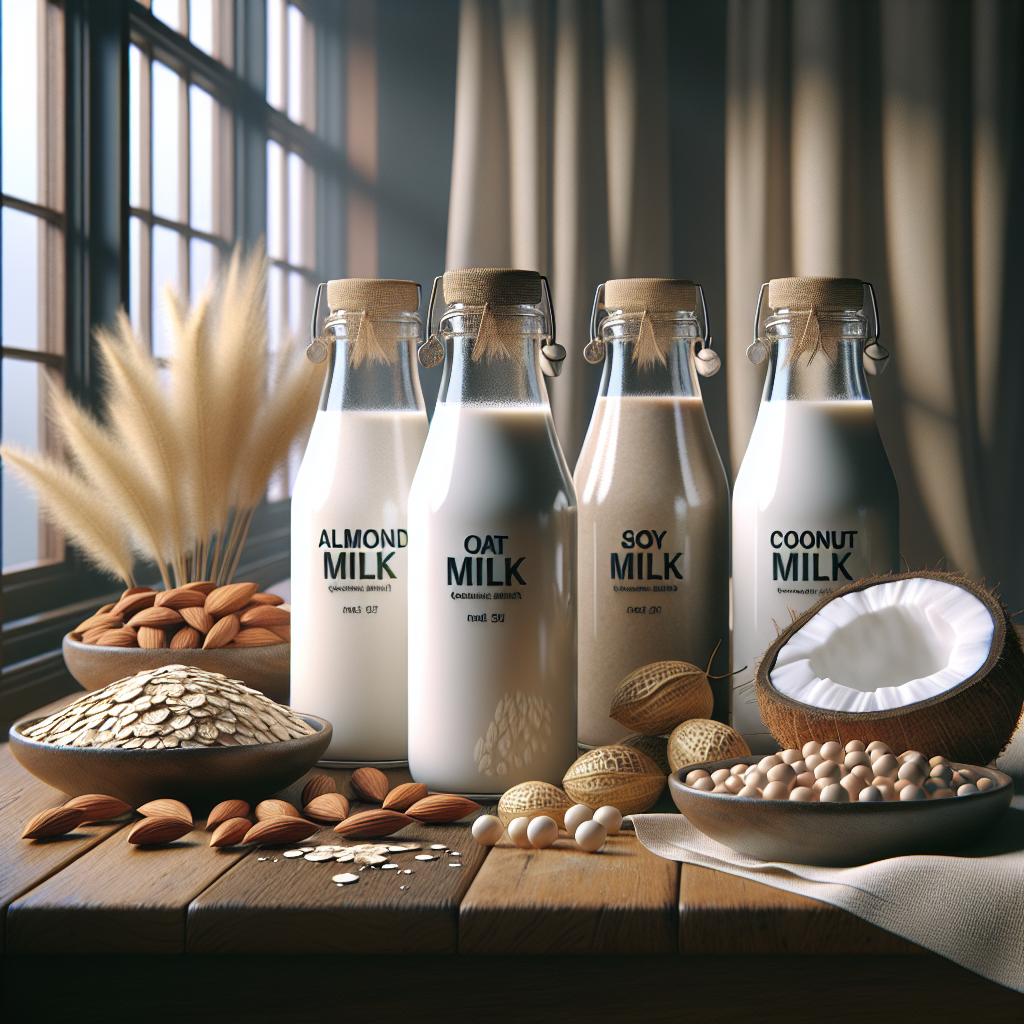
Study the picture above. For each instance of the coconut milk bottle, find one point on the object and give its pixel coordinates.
(350, 531)
(492, 572)
(815, 503)
(653, 502)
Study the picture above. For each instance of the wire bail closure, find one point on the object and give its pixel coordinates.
(318, 347)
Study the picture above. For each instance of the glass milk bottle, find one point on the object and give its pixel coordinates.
(492, 573)
(815, 503)
(350, 531)
(653, 502)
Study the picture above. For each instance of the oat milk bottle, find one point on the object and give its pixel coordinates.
(815, 503)
(350, 531)
(653, 502)
(492, 572)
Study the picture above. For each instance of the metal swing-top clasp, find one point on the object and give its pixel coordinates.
(318, 347)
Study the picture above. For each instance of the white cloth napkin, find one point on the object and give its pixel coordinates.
(968, 908)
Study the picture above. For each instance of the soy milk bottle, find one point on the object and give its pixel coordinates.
(815, 503)
(350, 532)
(492, 566)
(653, 502)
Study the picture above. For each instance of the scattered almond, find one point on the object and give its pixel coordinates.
(275, 809)
(225, 811)
(166, 808)
(230, 598)
(442, 807)
(230, 832)
(98, 807)
(371, 824)
(369, 784)
(198, 618)
(402, 797)
(180, 597)
(255, 636)
(152, 638)
(265, 615)
(317, 786)
(223, 632)
(56, 821)
(283, 829)
(186, 639)
(153, 831)
(327, 808)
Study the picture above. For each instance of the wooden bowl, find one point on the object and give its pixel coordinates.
(839, 835)
(198, 776)
(263, 668)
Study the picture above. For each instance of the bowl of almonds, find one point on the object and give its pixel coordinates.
(234, 630)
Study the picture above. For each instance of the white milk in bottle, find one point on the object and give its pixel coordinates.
(653, 504)
(815, 503)
(350, 531)
(492, 572)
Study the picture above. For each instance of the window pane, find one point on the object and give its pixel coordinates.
(301, 192)
(301, 69)
(23, 393)
(20, 108)
(277, 36)
(201, 156)
(138, 239)
(168, 11)
(202, 259)
(200, 24)
(300, 305)
(277, 306)
(166, 264)
(21, 238)
(138, 117)
(277, 226)
(166, 86)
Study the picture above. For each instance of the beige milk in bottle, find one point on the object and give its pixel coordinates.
(492, 572)
(815, 503)
(653, 503)
(350, 529)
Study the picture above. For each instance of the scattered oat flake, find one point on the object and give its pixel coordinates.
(388, 867)
(408, 871)
(438, 846)
(456, 865)
(319, 856)
(291, 854)
(425, 856)
(346, 879)
(454, 853)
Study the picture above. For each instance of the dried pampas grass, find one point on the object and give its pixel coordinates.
(178, 467)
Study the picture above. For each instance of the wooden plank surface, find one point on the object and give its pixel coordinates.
(274, 905)
(561, 900)
(722, 913)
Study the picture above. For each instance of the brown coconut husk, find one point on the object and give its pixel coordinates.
(971, 723)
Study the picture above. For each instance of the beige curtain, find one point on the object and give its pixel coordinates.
(884, 141)
(561, 158)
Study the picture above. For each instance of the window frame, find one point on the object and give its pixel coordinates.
(42, 603)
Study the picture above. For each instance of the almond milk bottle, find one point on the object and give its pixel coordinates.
(350, 531)
(492, 566)
(815, 503)
(653, 502)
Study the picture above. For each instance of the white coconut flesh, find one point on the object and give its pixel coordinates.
(885, 647)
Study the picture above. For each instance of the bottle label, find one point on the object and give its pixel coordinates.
(366, 555)
(647, 557)
(812, 556)
(486, 565)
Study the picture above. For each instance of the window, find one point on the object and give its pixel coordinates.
(32, 243)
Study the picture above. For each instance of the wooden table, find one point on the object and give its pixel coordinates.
(715, 947)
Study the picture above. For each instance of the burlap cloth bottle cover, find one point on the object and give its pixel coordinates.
(967, 907)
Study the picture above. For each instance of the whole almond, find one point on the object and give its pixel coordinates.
(442, 807)
(402, 797)
(271, 599)
(265, 615)
(123, 637)
(198, 618)
(254, 636)
(284, 829)
(106, 608)
(186, 639)
(180, 597)
(56, 821)
(230, 598)
(223, 632)
(159, 617)
(92, 636)
(98, 621)
(153, 831)
(317, 786)
(128, 606)
(327, 808)
(372, 824)
(203, 586)
(230, 832)
(275, 809)
(98, 807)
(166, 808)
(131, 591)
(225, 811)
(152, 638)
(284, 632)
(369, 784)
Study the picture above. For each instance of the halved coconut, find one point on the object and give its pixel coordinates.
(925, 661)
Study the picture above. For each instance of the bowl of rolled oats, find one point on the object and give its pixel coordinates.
(172, 731)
